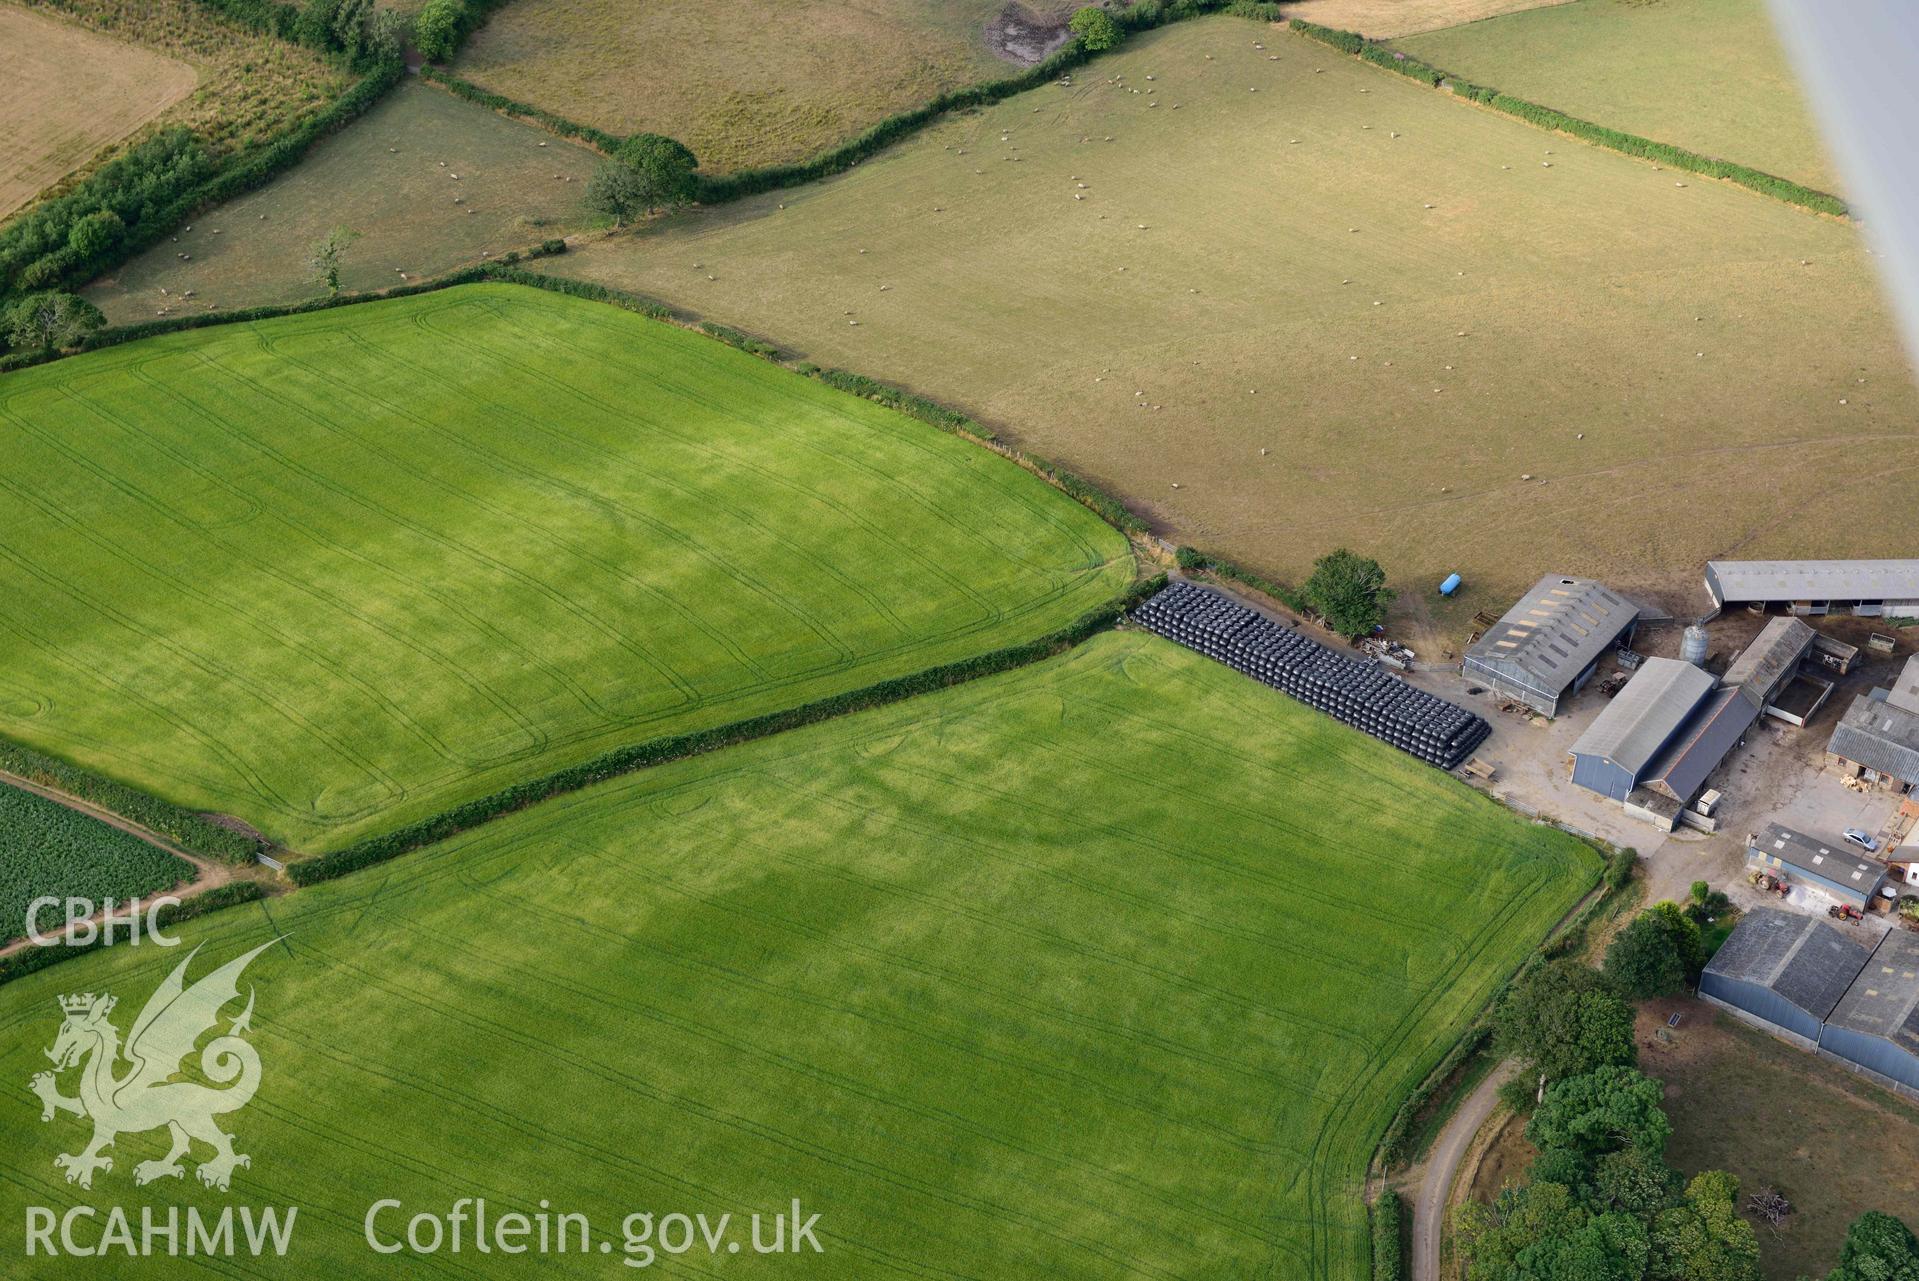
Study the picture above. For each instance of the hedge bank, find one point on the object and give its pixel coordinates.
(660, 751)
(1532, 113)
(32, 960)
(184, 827)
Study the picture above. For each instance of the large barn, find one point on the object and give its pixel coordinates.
(1624, 746)
(1867, 587)
(1784, 970)
(1547, 645)
(1875, 1026)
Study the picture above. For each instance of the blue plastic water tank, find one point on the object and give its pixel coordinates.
(1450, 586)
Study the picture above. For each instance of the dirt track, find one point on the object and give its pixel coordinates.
(207, 873)
(1429, 1203)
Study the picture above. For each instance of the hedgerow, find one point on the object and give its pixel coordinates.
(34, 959)
(188, 830)
(625, 760)
(1388, 1254)
(53, 850)
(599, 139)
(1585, 130)
(1194, 561)
(154, 188)
(719, 188)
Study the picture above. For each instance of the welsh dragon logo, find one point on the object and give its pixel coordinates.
(144, 1096)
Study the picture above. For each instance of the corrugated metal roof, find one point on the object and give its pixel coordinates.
(1839, 863)
(1703, 742)
(1883, 1000)
(1645, 714)
(1556, 631)
(1879, 736)
(1844, 580)
(1804, 960)
(1905, 690)
(1763, 666)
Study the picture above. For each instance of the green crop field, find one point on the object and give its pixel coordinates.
(430, 182)
(49, 849)
(1707, 75)
(753, 82)
(1116, 965)
(340, 571)
(1246, 295)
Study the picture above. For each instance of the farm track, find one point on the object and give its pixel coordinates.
(208, 873)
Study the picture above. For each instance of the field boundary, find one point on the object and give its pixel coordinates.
(660, 751)
(722, 188)
(1382, 54)
(192, 833)
(1563, 939)
(31, 960)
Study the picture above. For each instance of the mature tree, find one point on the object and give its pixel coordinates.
(51, 319)
(436, 29)
(1656, 954)
(1878, 1248)
(665, 168)
(1095, 28)
(315, 26)
(1541, 1233)
(1633, 1180)
(386, 36)
(1350, 591)
(325, 255)
(616, 191)
(1610, 1109)
(95, 234)
(1705, 1238)
(1561, 1020)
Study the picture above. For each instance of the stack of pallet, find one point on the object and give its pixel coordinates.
(1356, 691)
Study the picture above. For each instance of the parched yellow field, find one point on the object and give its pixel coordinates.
(1382, 19)
(66, 92)
(744, 83)
(1708, 75)
(1282, 300)
(252, 86)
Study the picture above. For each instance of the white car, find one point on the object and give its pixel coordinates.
(1863, 841)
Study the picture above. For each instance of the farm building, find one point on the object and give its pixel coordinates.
(1656, 742)
(1547, 645)
(1875, 1026)
(1767, 672)
(1867, 587)
(1878, 741)
(1904, 693)
(1903, 859)
(1785, 971)
(1798, 859)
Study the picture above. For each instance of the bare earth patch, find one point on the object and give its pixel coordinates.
(57, 120)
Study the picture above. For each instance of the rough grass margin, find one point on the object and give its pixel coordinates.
(1754, 180)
